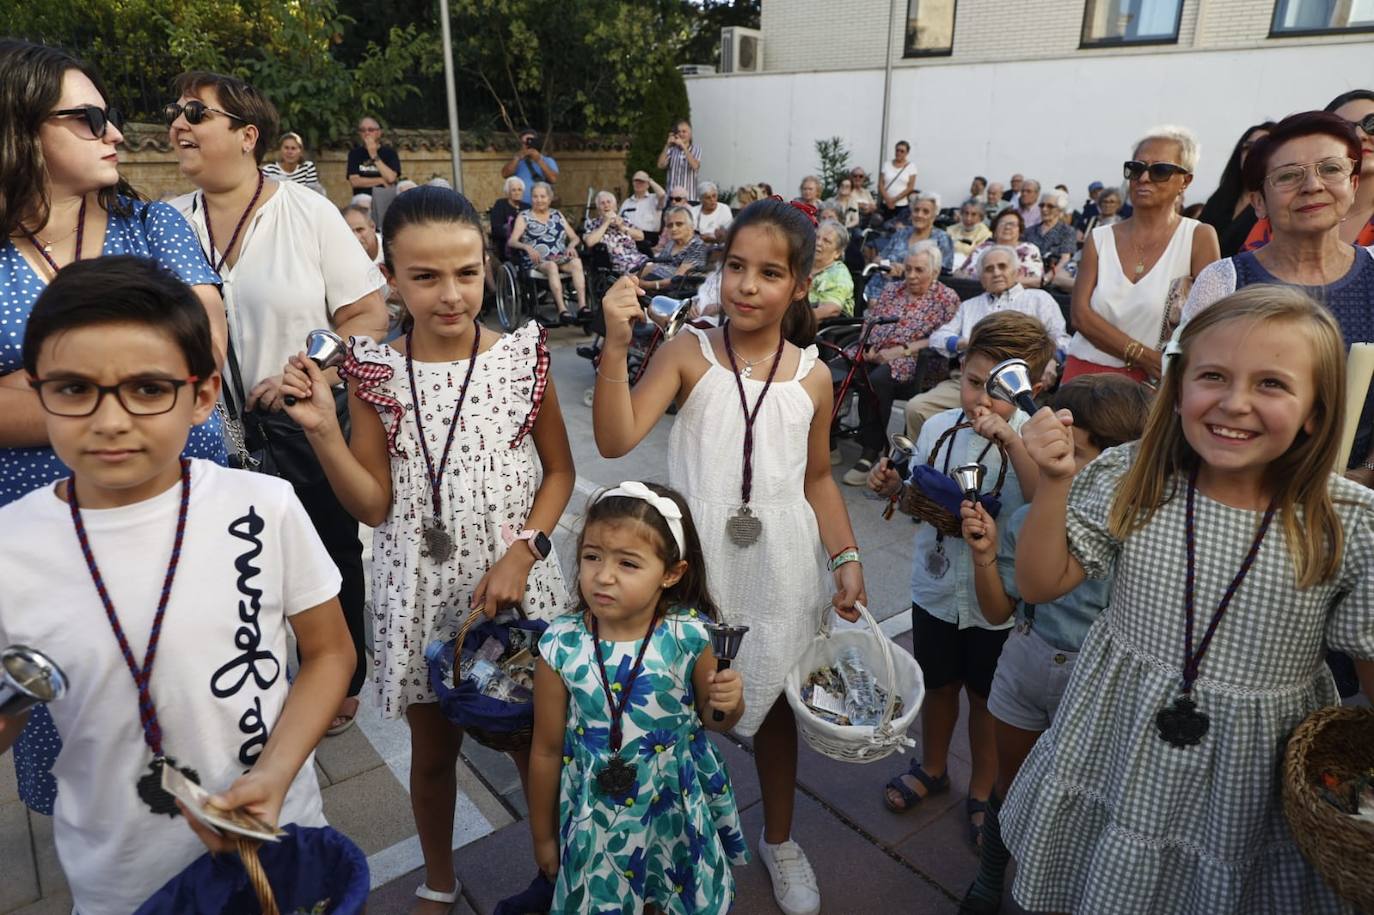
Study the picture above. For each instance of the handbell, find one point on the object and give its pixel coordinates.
(899, 453)
(324, 348)
(28, 678)
(725, 644)
(669, 314)
(1010, 381)
(970, 479)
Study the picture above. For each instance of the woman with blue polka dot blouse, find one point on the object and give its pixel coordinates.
(62, 200)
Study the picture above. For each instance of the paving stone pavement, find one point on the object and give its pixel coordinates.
(868, 859)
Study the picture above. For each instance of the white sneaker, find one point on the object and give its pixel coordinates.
(794, 882)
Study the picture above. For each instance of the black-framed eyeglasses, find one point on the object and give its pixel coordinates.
(195, 110)
(97, 119)
(1158, 171)
(76, 397)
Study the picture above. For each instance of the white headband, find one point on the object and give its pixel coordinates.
(633, 489)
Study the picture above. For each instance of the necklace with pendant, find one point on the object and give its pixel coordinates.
(616, 778)
(439, 543)
(44, 248)
(1182, 724)
(149, 785)
(748, 370)
(744, 527)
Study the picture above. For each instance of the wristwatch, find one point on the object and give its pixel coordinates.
(538, 542)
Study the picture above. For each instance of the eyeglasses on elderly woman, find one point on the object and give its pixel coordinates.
(1158, 171)
(1332, 172)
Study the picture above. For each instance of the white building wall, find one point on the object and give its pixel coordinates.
(1065, 121)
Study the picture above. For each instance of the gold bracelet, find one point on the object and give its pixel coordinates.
(610, 379)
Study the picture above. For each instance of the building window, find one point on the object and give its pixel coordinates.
(1111, 22)
(1305, 17)
(930, 28)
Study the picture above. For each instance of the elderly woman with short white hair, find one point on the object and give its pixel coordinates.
(610, 229)
(504, 211)
(713, 218)
(921, 304)
(1053, 234)
(1120, 298)
(546, 242)
(832, 286)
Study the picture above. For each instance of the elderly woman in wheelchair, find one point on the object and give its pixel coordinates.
(542, 240)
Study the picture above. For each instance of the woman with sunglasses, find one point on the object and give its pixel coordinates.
(290, 264)
(62, 200)
(1120, 297)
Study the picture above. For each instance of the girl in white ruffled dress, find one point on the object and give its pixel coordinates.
(750, 452)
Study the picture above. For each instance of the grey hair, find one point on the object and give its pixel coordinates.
(932, 199)
(1026, 181)
(1188, 149)
(511, 182)
(1008, 250)
(837, 232)
(812, 178)
(975, 205)
(707, 187)
(545, 185)
(605, 194)
(932, 252)
(1110, 192)
(1058, 198)
(678, 208)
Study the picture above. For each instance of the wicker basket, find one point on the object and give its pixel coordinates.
(501, 741)
(902, 676)
(919, 505)
(1340, 741)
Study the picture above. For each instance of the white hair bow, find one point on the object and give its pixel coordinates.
(633, 489)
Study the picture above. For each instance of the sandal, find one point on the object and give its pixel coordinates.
(342, 722)
(424, 892)
(972, 808)
(908, 794)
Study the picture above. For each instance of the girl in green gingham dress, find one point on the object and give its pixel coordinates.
(1105, 815)
(666, 839)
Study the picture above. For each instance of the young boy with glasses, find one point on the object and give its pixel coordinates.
(162, 588)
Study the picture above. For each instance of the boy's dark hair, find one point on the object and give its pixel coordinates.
(426, 204)
(121, 290)
(796, 228)
(1012, 335)
(238, 98)
(690, 590)
(1110, 408)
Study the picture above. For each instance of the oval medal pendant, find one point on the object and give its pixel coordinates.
(937, 563)
(439, 546)
(743, 528)
(616, 778)
(1181, 724)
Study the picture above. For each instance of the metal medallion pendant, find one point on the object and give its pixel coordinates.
(616, 778)
(743, 527)
(937, 563)
(150, 789)
(439, 546)
(1181, 724)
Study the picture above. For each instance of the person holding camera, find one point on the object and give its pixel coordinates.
(530, 165)
(370, 164)
(680, 156)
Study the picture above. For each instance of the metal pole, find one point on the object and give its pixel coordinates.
(454, 148)
(887, 87)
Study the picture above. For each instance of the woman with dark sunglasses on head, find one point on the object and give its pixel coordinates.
(62, 200)
(1121, 296)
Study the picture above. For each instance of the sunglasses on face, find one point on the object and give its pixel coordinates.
(194, 110)
(97, 119)
(1158, 171)
(1366, 124)
(678, 199)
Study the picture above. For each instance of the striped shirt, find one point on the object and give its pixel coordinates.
(680, 172)
(305, 173)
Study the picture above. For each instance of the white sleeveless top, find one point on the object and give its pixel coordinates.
(1134, 308)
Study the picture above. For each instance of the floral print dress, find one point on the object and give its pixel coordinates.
(671, 840)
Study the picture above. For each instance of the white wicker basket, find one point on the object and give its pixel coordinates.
(895, 670)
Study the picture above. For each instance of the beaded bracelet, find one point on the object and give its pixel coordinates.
(843, 558)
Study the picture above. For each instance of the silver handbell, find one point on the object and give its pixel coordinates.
(725, 644)
(899, 453)
(1010, 381)
(669, 314)
(28, 678)
(324, 348)
(970, 479)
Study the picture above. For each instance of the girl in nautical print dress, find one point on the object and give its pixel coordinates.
(1157, 787)
(663, 833)
(459, 458)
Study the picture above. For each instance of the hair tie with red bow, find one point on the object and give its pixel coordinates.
(807, 209)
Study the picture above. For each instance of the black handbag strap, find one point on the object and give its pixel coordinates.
(234, 397)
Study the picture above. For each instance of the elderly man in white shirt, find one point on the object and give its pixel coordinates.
(997, 272)
(644, 208)
(712, 217)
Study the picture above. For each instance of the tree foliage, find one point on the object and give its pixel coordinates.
(665, 102)
(834, 156)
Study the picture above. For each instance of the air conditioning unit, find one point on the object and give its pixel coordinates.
(741, 50)
(696, 69)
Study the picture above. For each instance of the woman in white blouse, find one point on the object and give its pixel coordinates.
(291, 164)
(289, 264)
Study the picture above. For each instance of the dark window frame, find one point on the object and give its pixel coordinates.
(1276, 32)
(1085, 42)
(909, 52)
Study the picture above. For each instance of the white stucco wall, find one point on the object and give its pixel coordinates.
(1070, 120)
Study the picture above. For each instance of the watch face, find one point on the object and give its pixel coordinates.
(542, 545)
